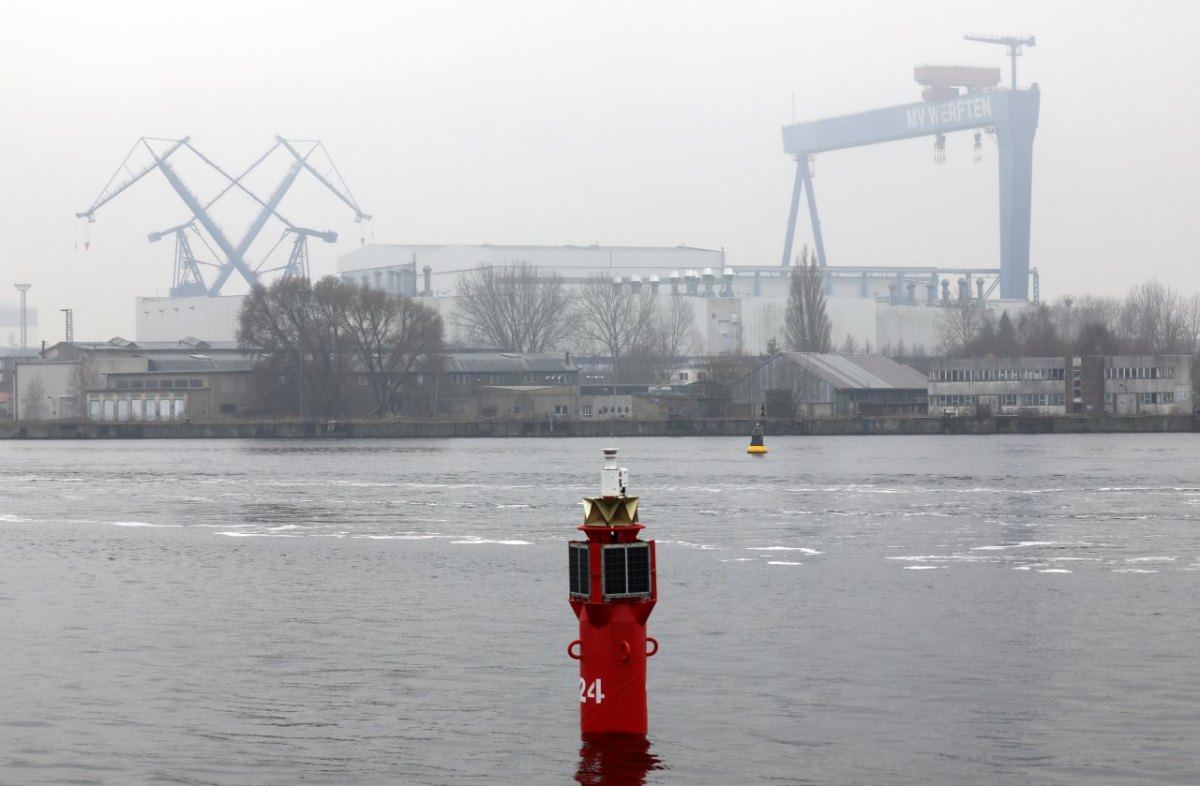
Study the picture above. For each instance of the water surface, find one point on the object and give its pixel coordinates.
(895, 610)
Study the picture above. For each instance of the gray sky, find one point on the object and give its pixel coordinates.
(625, 123)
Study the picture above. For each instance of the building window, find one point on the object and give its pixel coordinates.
(195, 382)
(586, 410)
(560, 409)
(228, 409)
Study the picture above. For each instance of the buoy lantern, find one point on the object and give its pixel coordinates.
(756, 441)
(613, 589)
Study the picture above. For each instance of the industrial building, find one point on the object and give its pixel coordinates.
(1088, 385)
(738, 308)
(506, 384)
(123, 380)
(744, 301)
(812, 384)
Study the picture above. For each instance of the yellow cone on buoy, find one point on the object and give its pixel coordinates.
(756, 441)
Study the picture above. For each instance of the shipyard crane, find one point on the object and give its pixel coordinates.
(1012, 114)
(187, 278)
(1014, 44)
(297, 262)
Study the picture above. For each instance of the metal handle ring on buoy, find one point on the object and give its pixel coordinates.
(653, 652)
(625, 650)
(571, 646)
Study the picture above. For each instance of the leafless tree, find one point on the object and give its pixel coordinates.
(297, 330)
(517, 307)
(961, 322)
(390, 335)
(671, 335)
(32, 401)
(676, 327)
(727, 378)
(1155, 320)
(805, 324)
(615, 319)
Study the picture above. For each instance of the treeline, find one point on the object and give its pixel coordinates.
(335, 348)
(1152, 319)
(524, 309)
(331, 348)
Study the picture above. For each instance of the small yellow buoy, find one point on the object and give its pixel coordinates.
(757, 447)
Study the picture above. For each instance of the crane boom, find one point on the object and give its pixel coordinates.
(1014, 44)
(206, 221)
(109, 192)
(359, 215)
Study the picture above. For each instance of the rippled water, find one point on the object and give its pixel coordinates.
(893, 610)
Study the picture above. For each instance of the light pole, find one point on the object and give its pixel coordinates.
(23, 288)
(305, 293)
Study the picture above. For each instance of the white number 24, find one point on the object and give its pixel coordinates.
(592, 691)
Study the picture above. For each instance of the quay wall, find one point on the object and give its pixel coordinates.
(458, 429)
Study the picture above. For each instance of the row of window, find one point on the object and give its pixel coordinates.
(1152, 372)
(533, 378)
(154, 384)
(1145, 398)
(995, 374)
(1006, 400)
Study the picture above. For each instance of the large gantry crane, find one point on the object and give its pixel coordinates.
(1011, 114)
(188, 278)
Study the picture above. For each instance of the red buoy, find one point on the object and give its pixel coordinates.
(613, 589)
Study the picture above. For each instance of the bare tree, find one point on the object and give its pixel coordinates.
(390, 335)
(1155, 320)
(727, 378)
(676, 328)
(805, 324)
(299, 335)
(961, 322)
(32, 402)
(672, 334)
(615, 319)
(517, 307)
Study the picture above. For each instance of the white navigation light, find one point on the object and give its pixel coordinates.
(613, 479)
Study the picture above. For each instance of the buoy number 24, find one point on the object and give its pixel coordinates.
(590, 691)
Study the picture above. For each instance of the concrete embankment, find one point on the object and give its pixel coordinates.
(455, 429)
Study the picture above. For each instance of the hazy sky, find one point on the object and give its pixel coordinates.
(624, 123)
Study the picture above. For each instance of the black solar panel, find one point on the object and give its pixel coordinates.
(637, 562)
(626, 570)
(578, 566)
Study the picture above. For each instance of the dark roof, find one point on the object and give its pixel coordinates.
(507, 362)
(183, 363)
(860, 372)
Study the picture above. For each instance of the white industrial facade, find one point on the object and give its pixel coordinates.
(177, 318)
(743, 307)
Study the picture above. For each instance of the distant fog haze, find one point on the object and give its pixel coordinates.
(623, 123)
